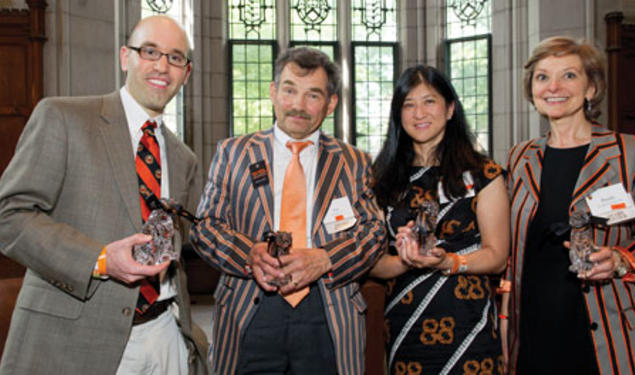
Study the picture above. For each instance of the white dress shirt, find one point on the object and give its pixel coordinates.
(281, 158)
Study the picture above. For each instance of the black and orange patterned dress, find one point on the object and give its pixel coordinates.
(441, 324)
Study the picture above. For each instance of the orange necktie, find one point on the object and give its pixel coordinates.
(293, 209)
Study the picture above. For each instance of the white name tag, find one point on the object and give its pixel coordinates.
(339, 216)
(612, 203)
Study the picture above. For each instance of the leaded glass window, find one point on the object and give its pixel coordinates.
(374, 24)
(314, 20)
(468, 55)
(368, 52)
(374, 81)
(468, 18)
(252, 19)
(252, 74)
(180, 10)
(374, 20)
(252, 31)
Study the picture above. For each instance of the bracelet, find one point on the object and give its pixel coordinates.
(622, 266)
(503, 317)
(628, 261)
(505, 286)
(100, 266)
(459, 264)
(455, 264)
(462, 264)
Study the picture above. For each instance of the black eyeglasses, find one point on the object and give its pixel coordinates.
(153, 54)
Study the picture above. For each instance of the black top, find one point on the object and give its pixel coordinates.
(555, 336)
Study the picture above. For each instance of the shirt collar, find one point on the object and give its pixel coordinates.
(135, 114)
(282, 137)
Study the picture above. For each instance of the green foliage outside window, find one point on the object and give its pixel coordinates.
(469, 68)
(252, 31)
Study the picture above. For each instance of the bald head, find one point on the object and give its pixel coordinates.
(141, 29)
(152, 61)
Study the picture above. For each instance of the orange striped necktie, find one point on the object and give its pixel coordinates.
(293, 209)
(148, 165)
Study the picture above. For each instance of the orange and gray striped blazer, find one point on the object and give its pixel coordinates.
(610, 159)
(236, 214)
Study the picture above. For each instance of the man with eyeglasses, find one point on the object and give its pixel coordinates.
(72, 203)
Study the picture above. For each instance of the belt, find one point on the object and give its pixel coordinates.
(153, 312)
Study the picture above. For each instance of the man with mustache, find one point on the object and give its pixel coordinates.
(72, 205)
(299, 313)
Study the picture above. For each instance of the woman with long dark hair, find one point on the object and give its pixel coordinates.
(440, 309)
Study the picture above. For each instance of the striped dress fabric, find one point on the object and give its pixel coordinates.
(440, 324)
(610, 159)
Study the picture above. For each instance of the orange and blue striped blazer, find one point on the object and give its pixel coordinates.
(235, 214)
(610, 159)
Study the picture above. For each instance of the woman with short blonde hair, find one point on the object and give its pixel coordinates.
(564, 318)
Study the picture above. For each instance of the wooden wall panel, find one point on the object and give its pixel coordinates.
(21, 82)
(626, 80)
(13, 75)
(620, 50)
(10, 128)
(375, 294)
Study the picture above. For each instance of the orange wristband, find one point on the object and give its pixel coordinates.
(100, 267)
(455, 264)
(505, 286)
(459, 264)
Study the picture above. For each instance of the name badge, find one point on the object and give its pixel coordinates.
(612, 203)
(339, 216)
(258, 172)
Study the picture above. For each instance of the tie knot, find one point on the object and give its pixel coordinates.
(149, 125)
(296, 147)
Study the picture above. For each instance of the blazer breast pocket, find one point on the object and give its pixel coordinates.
(629, 314)
(50, 302)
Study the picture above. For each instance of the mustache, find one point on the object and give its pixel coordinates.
(296, 113)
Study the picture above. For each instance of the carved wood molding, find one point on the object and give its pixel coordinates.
(14, 22)
(620, 38)
(613, 47)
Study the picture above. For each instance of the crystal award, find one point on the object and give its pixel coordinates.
(160, 249)
(581, 242)
(426, 226)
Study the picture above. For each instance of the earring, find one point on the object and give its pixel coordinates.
(587, 105)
